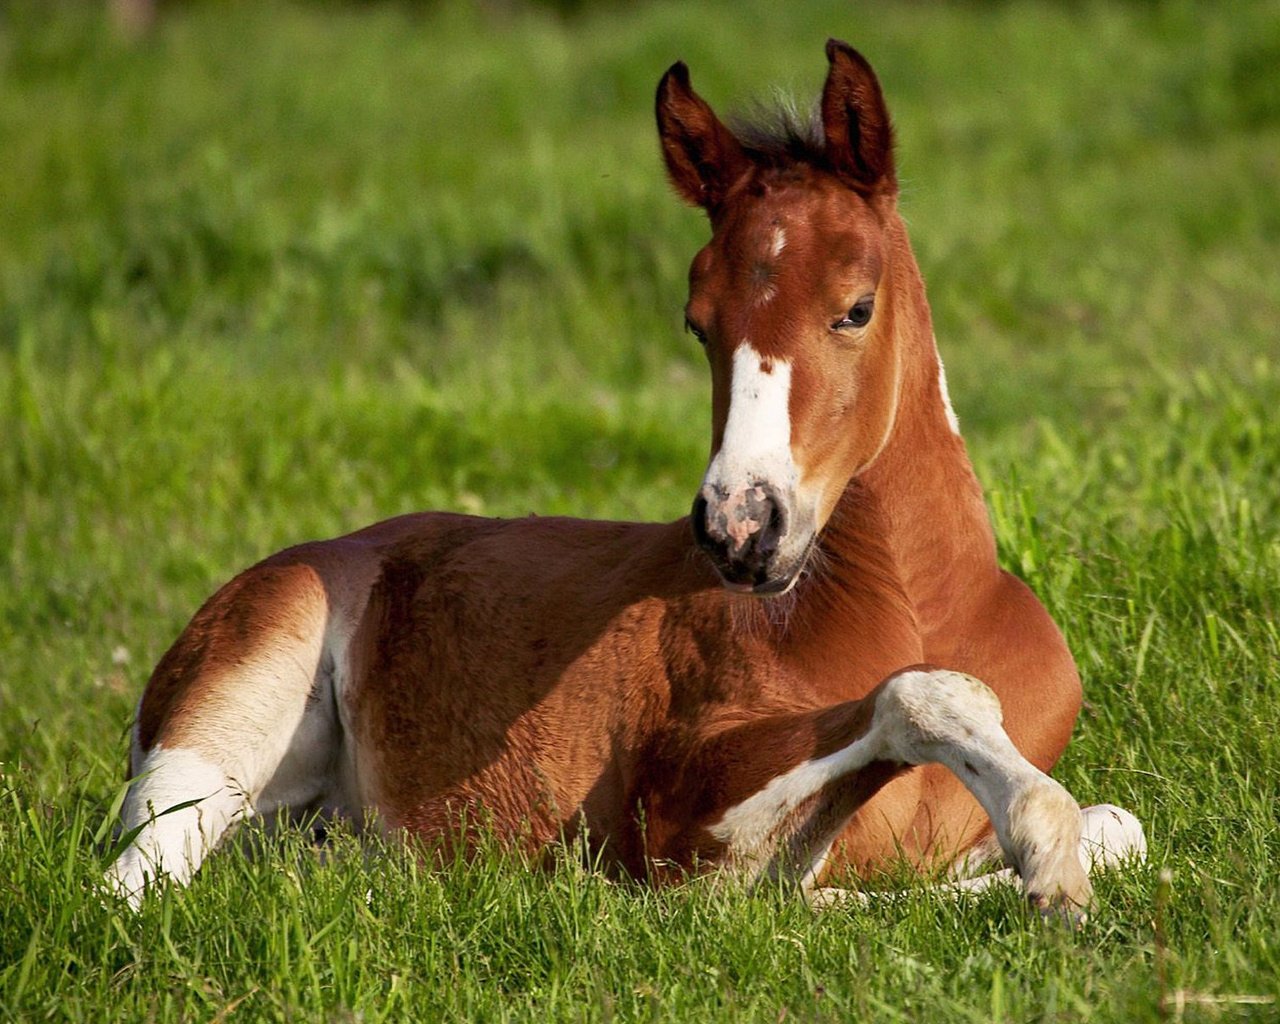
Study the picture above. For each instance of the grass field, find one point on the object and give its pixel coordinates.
(283, 270)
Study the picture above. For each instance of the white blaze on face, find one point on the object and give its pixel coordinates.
(756, 446)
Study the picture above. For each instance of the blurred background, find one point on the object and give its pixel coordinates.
(270, 271)
(301, 265)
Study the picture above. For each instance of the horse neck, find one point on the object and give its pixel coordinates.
(916, 515)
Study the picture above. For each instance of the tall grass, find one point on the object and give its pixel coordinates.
(285, 269)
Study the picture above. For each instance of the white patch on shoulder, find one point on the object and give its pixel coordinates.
(757, 433)
(778, 242)
(952, 419)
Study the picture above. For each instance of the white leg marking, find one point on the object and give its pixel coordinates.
(749, 828)
(174, 838)
(1112, 836)
(828, 897)
(273, 754)
(952, 719)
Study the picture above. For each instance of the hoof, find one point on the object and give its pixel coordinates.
(1046, 827)
(1069, 908)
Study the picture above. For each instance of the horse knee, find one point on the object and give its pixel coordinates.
(920, 710)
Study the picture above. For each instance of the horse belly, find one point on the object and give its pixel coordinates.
(468, 719)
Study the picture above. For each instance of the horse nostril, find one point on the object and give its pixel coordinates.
(772, 530)
(698, 520)
(741, 531)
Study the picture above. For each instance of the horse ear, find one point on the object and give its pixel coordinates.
(704, 160)
(856, 123)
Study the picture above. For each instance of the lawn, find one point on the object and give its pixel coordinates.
(284, 269)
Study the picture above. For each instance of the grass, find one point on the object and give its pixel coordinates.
(286, 269)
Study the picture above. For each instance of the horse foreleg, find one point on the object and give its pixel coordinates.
(1111, 837)
(771, 796)
(955, 720)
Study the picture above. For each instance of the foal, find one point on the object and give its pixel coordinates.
(645, 684)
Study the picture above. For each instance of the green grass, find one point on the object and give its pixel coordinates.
(285, 270)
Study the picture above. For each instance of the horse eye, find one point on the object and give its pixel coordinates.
(859, 315)
(696, 331)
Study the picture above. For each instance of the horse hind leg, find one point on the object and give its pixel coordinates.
(238, 719)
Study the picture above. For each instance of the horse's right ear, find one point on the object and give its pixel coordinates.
(703, 158)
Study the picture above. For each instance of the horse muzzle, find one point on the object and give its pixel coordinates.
(747, 535)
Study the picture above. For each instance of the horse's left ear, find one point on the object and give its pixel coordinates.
(856, 123)
(704, 159)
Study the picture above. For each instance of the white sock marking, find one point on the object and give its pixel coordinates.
(174, 839)
(747, 826)
(1111, 836)
(949, 718)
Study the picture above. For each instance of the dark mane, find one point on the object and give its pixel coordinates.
(779, 133)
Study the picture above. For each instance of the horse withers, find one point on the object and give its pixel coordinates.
(820, 671)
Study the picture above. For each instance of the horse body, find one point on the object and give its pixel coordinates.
(544, 677)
